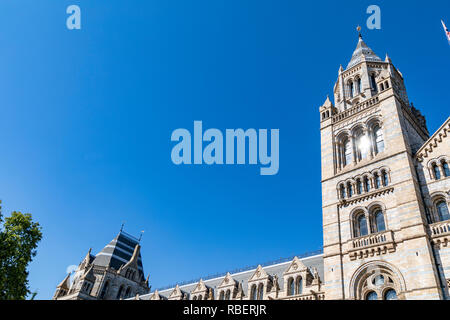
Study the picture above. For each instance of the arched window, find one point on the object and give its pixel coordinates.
(361, 226)
(260, 291)
(228, 295)
(359, 85)
(291, 288)
(342, 191)
(379, 139)
(104, 290)
(349, 190)
(385, 178)
(442, 210)
(350, 88)
(195, 298)
(446, 169)
(362, 145)
(253, 292)
(390, 294)
(377, 179)
(347, 152)
(379, 221)
(128, 292)
(119, 293)
(366, 184)
(381, 87)
(373, 82)
(386, 84)
(437, 172)
(359, 186)
(372, 295)
(299, 285)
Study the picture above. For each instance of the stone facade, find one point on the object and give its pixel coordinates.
(378, 194)
(385, 199)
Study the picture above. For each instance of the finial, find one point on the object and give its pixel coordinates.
(358, 28)
(121, 227)
(140, 236)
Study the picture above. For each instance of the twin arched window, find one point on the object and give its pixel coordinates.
(295, 287)
(390, 294)
(375, 224)
(257, 294)
(437, 171)
(367, 141)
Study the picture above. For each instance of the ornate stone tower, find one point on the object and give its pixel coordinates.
(116, 272)
(376, 243)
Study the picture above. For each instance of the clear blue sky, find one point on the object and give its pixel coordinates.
(86, 118)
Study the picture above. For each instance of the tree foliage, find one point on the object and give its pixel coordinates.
(19, 237)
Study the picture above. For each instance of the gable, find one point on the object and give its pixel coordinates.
(437, 145)
(258, 274)
(295, 266)
(227, 281)
(200, 287)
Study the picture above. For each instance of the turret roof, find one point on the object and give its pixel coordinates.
(362, 52)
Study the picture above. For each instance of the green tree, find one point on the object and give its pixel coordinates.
(19, 237)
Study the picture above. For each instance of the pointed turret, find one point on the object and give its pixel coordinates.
(387, 59)
(362, 53)
(65, 284)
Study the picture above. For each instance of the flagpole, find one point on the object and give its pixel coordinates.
(447, 33)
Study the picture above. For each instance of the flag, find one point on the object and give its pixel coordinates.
(447, 33)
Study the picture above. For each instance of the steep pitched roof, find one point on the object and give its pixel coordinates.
(433, 141)
(362, 52)
(119, 252)
(242, 278)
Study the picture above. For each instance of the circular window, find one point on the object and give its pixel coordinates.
(390, 295)
(372, 296)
